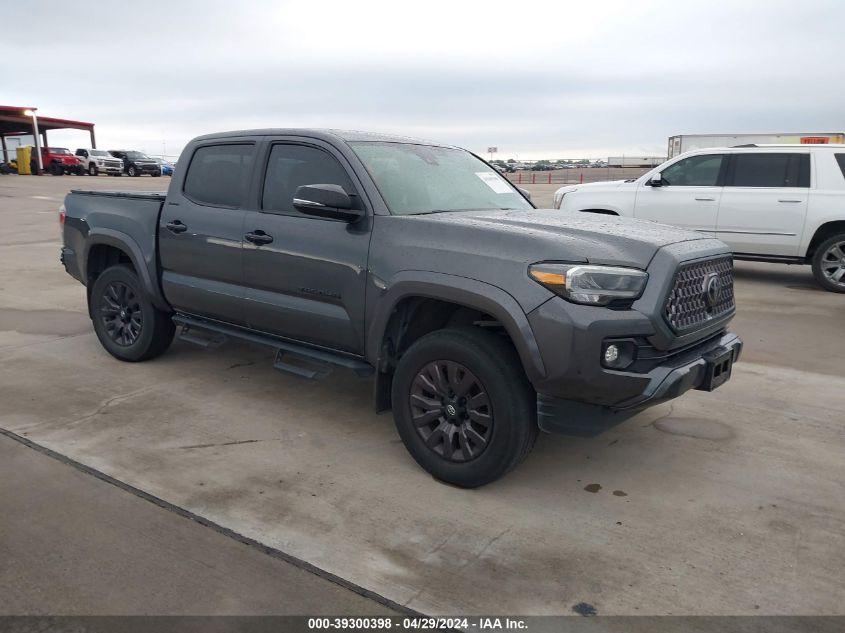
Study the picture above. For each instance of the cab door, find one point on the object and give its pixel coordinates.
(201, 232)
(305, 277)
(764, 203)
(688, 195)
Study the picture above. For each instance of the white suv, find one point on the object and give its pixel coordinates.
(97, 161)
(779, 203)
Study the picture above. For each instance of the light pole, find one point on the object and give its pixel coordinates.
(37, 142)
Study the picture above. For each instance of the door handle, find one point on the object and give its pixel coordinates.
(258, 237)
(789, 200)
(705, 199)
(176, 226)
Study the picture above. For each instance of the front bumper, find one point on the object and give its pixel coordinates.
(110, 169)
(681, 372)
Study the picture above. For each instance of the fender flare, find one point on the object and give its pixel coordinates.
(145, 268)
(463, 291)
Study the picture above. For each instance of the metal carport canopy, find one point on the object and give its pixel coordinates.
(14, 122)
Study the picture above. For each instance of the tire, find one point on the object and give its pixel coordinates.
(138, 330)
(132, 171)
(156, 174)
(57, 170)
(829, 263)
(93, 170)
(488, 370)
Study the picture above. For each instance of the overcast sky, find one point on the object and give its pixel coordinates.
(537, 79)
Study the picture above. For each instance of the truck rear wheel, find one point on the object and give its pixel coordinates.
(128, 325)
(463, 406)
(829, 264)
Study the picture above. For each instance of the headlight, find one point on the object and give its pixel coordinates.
(591, 285)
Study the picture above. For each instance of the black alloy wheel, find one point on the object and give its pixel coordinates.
(451, 410)
(463, 406)
(126, 322)
(120, 310)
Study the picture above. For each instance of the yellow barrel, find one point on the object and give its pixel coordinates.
(24, 156)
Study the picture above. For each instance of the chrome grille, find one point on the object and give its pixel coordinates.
(688, 306)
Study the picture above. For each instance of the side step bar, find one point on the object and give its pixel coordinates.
(319, 362)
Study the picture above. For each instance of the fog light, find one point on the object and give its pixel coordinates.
(618, 354)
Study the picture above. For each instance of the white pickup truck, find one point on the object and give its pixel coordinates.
(778, 203)
(97, 161)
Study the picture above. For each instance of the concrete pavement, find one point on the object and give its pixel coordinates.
(72, 544)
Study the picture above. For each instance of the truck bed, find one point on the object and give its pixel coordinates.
(125, 219)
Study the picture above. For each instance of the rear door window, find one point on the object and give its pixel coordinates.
(218, 175)
(770, 170)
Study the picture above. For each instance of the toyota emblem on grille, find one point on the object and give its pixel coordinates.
(712, 289)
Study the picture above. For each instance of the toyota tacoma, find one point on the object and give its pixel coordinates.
(480, 318)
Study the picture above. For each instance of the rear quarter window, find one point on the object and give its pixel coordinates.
(218, 174)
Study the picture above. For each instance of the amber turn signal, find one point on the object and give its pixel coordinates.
(547, 278)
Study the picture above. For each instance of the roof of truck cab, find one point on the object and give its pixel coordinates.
(349, 136)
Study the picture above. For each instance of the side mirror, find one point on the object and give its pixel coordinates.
(656, 180)
(525, 192)
(326, 201)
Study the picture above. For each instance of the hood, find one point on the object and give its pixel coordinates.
(605, 185)
(496, 247)
(547, 234)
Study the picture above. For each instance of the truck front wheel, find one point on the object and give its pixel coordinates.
(128, 325)
(829, 264)
(463, 406)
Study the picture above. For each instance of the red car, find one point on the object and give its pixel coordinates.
(58, 161)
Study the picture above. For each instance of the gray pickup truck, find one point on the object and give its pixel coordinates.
(481, 318)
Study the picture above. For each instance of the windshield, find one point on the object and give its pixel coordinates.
(99, 152)
(417, 179)
(59, 150)
(136, 155)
